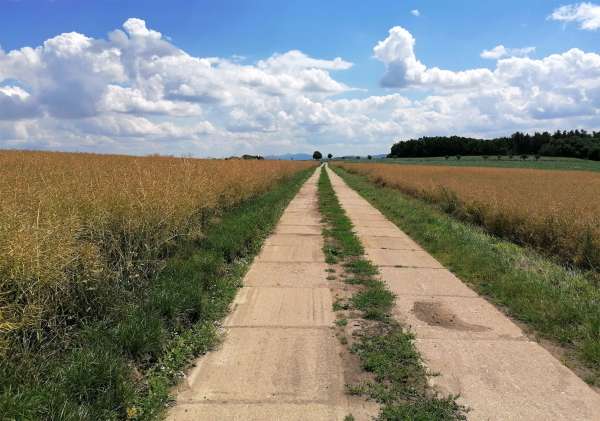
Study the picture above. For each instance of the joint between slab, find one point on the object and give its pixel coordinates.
(409, 267)
(208, 402)
(282, 327)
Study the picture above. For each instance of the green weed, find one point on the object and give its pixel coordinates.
(385, 349)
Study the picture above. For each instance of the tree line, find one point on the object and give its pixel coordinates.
(574, 143)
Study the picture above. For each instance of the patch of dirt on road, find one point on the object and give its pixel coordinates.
(435, 313)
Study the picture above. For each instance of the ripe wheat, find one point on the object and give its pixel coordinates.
(557, 212)
(75, 228)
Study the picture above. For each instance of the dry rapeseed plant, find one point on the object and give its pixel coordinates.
(76, 227)
(555, 211)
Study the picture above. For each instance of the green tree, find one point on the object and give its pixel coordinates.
(317, 155)
(329, 156)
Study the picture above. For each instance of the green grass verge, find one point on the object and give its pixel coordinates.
(557, 303)
(544, 163)
(124, 367)
(384, 347)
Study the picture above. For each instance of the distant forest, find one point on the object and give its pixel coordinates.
(575, 144)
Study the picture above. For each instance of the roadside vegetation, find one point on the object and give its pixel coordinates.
(398, 380)
(556, 212)
(114, 270)
(553, 302)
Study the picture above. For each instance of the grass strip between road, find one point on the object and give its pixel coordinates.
(557, 305)
(385, 349)
(124, 368)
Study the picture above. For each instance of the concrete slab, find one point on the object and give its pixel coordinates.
(454, 318)
(301, 252)
(283, 307)
(300, 218)
(402, 258)
(361, 213)
(313, 241)
(301, 206)
(509, 380)
(298, 229)
(258, 411)
(300, 275)
(372, 222)
(378, 232)
(390, 243)
(269, 365)
(423, 281)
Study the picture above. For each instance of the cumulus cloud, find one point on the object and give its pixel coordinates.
(500, 51)
(137, 86)
(403, 69)
(137, 92)
(587, 15)
(415, 12)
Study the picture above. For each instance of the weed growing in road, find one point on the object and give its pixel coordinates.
(385, 349)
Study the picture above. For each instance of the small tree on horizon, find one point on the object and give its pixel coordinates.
(329, 156)
(317, 155)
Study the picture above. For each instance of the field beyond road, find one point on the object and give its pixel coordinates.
(543, 163)
(556, 212)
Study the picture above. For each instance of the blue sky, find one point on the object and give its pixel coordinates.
(450, 34)
(447, 35)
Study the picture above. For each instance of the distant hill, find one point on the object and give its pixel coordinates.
(291, 157)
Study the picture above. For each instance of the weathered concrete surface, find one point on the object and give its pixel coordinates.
(291, 275)
(402, 258)
(279, 306)
(478, 352)
(280, 359)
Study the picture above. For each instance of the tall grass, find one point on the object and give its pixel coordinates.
(556, 212)
(78, 230)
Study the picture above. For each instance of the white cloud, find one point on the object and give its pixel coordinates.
(136, 92)
(137, 28)
(500, 51)
(586, 14)
(403, 69)
(415, 12)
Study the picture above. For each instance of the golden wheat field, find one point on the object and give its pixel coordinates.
(555, 211)
(74, 222)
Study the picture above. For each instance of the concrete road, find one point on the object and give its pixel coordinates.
(280, 359)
